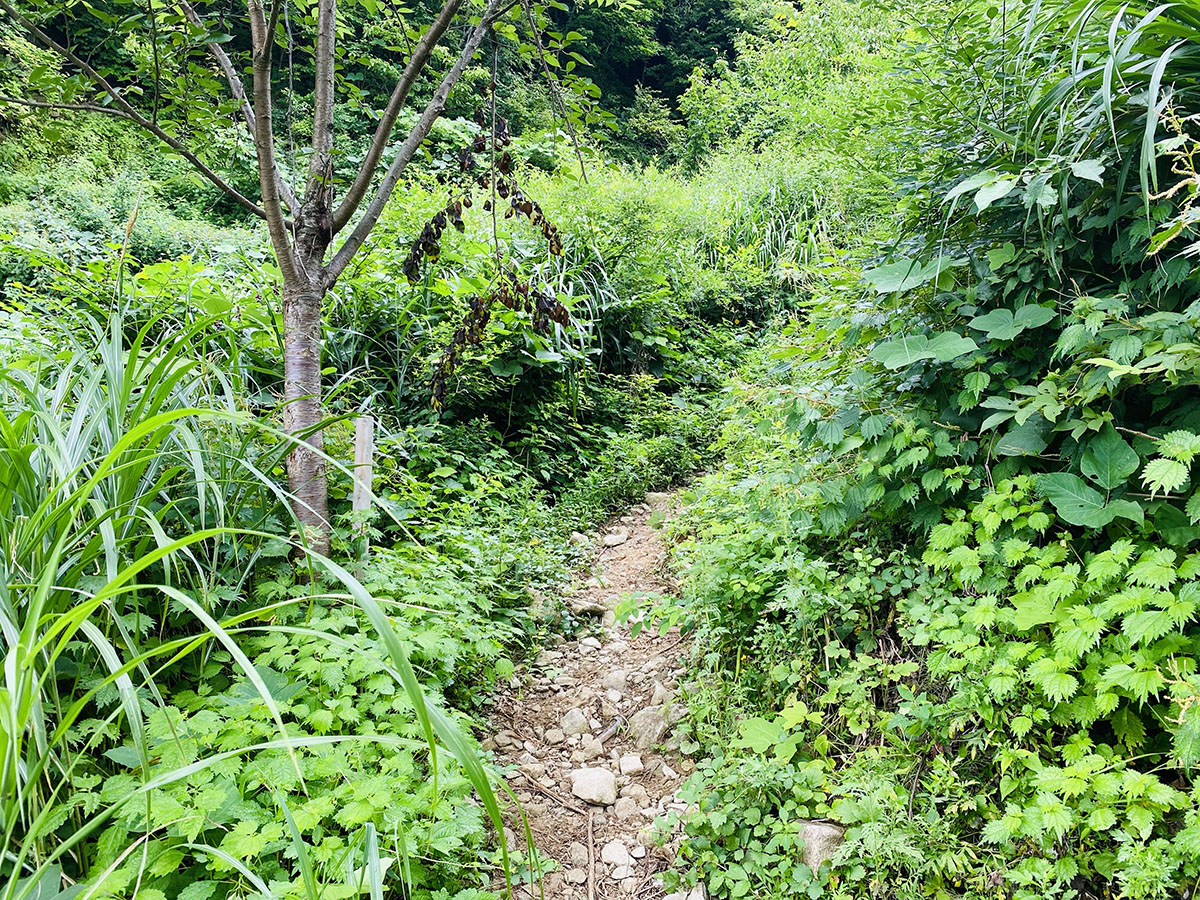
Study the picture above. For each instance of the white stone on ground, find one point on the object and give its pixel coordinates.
(595, 786)
(615, 853)
(574, 722)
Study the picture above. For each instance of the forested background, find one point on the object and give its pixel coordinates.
(903, 292)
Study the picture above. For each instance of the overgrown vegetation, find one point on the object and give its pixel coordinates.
(908, 288)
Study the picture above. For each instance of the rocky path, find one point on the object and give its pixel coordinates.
(586, 738)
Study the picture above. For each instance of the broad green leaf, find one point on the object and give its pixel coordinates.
(759, 735)
(949, 345)
(1108, 460)
(1088, 169)
(1074, 501)
(1024, 440)
(1005, 325)
(906, 274)
(998, 256)
(1033, 610)
(912, 348)
(996, 190)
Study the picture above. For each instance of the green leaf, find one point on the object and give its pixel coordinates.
(1088, 169)
(998, 256)
(1108, 460)
(997, 190)
(1005, 325)
(1187, 737)
(758, 734)
(1024, 440)
(1074, 501)
(1164, 475)
(950, 345)
(1193, 508)
(906, 274)
(1033, 610)
(198, 890)
(912, 348)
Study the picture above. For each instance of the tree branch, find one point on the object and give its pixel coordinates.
(238, 90)
(261, 41)
(323, 96)
(122, 109)
(417, 61)
(410, 145)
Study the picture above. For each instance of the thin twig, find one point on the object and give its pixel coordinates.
(591, 882)
(537, 40)
(529, 779)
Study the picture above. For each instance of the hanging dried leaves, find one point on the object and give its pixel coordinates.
(511, 292)
(498, 179)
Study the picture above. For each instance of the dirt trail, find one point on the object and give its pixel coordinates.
(588, 733)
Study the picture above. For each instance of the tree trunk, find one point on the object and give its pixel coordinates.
(302, 410)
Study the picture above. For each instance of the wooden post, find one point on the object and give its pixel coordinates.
(364, 467)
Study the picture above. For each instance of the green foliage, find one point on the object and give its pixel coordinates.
(955, 517)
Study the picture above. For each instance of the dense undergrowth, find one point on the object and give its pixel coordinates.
(947, 571)
(913, 288)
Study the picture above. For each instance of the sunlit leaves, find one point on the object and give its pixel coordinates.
(905, 351)
(1006, 325)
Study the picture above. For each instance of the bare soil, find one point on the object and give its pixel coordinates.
(600, 851)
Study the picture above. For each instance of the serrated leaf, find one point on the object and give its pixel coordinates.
(1193, 508)
(1164, 475)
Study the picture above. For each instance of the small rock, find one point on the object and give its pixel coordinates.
(635, 792)
(669, 773)
(555, 736)
(575, 876)
(506, 739)
(661, 694)
(626, 808)
(616, 854)
(591, 642)
(616, 680)
(590, 748)
(579, 537)
(821, 840)
(629, 886)
(578, 853)
(620, 873)
(647, 727)
(631, 764)
(575, 722)
(638, 852)
(612, 696)
(595, 786)
(616, 537)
